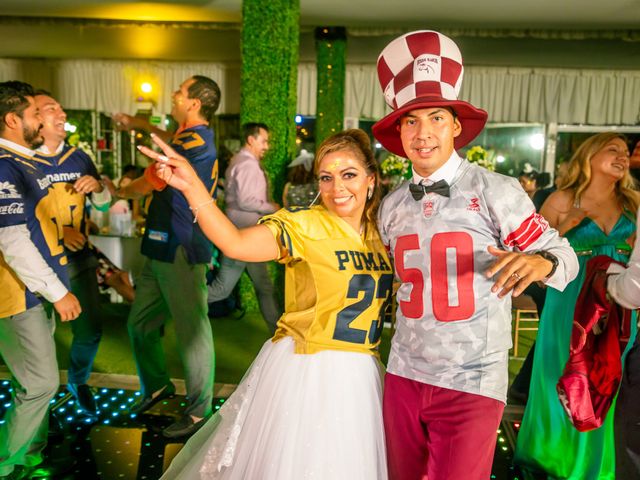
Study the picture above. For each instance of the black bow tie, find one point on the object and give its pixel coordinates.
(441, 187)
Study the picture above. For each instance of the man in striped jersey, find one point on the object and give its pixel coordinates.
(462, 239)
(73, 177)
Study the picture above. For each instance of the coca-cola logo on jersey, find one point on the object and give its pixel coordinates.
(12, 209)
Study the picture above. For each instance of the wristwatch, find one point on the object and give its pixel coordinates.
(551, 257)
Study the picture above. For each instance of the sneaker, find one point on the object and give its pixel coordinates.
(84, 396)
(145, 403)
(183, 427)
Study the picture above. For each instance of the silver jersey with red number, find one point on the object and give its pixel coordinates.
(452, 331)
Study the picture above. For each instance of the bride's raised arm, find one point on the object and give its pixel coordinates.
(252, 244)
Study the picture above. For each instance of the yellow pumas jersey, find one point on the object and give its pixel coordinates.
(336, 282)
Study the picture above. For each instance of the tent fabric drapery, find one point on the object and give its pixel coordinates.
(514, 94)
(109, 85)
(509, 94)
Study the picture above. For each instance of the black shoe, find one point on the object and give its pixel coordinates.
(145, 403)
(50, 468)
(84, 397)
(183, 427)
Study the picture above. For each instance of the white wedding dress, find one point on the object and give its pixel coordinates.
(294, 417)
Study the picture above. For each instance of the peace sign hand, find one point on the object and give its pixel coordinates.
(171, 167)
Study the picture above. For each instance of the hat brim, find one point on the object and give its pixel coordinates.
(472, 121)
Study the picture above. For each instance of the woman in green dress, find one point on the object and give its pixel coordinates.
(594, 208)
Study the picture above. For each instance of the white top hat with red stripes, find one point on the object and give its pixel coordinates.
(423, 69)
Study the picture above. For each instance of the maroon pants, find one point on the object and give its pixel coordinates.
(434, 433)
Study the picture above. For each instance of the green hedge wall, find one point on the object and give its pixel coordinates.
(331, 48)
(270, 45)
(270, 38)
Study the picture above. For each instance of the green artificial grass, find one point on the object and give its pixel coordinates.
(237, 342)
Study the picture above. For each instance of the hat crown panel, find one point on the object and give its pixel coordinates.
(422, 63)
(427, 68)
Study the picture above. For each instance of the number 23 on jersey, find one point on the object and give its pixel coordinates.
(365, 286)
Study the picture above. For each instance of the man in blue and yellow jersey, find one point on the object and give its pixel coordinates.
(73, 176)
(173, 281)
(32, 268)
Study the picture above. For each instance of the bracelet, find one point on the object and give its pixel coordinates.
(195, 209)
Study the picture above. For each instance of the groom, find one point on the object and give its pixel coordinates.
(462, 239)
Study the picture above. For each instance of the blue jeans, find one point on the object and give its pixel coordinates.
(229, 274)
(87, 328)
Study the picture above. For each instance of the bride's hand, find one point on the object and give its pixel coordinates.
(171, 167)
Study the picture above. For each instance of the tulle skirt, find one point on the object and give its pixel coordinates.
(294, 417)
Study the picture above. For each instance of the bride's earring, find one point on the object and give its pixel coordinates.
(370, 192)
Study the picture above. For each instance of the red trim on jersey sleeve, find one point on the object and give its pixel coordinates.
(528, 232)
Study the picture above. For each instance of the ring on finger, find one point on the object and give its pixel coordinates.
(516, 275)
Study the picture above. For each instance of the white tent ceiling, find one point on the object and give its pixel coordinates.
(568, 33)
(581, 14)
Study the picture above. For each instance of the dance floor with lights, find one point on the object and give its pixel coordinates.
(120, 445)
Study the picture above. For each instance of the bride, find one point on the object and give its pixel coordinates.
(309, 407)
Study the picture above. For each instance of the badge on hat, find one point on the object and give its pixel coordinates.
(423, 69)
